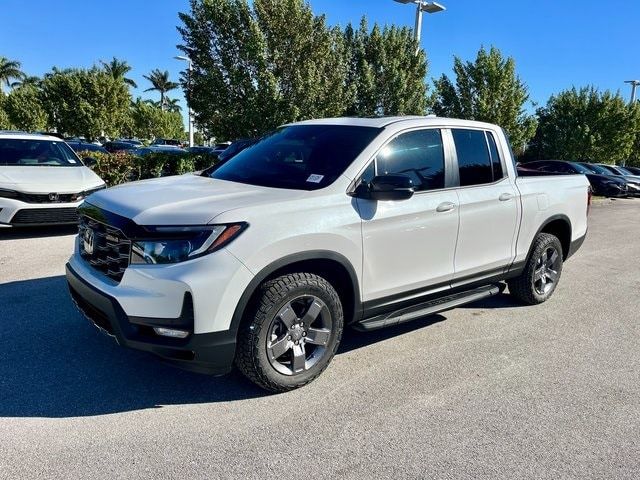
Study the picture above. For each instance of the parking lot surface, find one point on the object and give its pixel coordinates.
(491, 390)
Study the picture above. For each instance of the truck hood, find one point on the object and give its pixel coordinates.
(184, 200)
(44, 179)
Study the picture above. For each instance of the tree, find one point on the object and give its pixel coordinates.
(385, 75)
(85, 102)
(24, 108)
(585, 124)
(118, 69)
(27, 80)
(488, 90)
(150, 121)
(9, 70)
(5, 124)
(160, 82)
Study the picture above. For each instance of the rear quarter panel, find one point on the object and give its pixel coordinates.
(543, 198)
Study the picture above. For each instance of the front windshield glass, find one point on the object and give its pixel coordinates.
(36, 153)
(301, 157)
(598, 169)
(581, 168)
(624, 171)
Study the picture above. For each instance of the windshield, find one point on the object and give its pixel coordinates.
(581, 168)
(301, 157)
(36, 153)
(597, 169)
(624, 171)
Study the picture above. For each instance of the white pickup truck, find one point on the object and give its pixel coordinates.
(263, 259)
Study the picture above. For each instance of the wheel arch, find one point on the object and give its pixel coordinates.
(332, 266)
(560, 227)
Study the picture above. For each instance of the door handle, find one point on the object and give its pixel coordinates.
(505, 196)
(445, 207)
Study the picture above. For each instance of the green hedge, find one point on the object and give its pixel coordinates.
(121, 167)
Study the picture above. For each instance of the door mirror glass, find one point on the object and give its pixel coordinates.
(89, 161)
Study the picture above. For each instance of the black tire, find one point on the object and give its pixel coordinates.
(269, 327)
(527, 287)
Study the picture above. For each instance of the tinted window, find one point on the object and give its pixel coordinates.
(473, 157)
(495, 157)
(37, 153)
(303, 157)
(419, 155)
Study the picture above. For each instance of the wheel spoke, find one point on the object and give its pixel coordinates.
(543, 282)
(299, 358)
(279, 347)
(552, 259)
(544, 257)
(552, 275)
(318, 336)
(287, 315)
(314, 310)
(537, 275)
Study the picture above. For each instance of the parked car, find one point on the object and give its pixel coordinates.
(86, 147)
(141, 152)
(42, 181)
(167, 141)
(633, 184)
(602, 185)
(633, 170)
(132, 141)
(368, 222)
(621, 171)
(201, 150)
(220, 147)
(113, 147)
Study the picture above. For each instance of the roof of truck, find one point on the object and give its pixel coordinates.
(18, 135)
(381, 122)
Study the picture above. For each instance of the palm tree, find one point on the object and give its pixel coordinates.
(172, 104)
(118, 69)
(161, 83)
(27, 80)
(10, 70)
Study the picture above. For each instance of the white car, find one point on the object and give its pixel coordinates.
(42, 180)
(263, 260)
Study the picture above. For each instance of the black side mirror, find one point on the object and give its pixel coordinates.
(387, 187)
(89, 161)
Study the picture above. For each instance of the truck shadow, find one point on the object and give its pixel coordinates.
(54, 364)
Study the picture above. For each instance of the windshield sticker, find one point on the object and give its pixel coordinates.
(313, 178)
(71, 160)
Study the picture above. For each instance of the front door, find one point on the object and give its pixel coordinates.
(409, 245)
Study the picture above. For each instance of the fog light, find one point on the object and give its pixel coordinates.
(170, 332)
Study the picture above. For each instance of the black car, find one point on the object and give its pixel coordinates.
(202, 150)
(113, 147)
(633, 170)
(633, 183)
(601, 184)
(86, 147)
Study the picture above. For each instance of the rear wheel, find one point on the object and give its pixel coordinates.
(292, 332)
(542, 272)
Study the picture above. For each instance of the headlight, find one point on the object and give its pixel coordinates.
(177, 244)
(8, 193)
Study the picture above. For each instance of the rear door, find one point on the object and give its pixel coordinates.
(409, 245)
(488, 206)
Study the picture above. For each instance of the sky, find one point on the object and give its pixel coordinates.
(556, 44)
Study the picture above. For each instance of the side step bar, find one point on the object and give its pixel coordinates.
(428, 308)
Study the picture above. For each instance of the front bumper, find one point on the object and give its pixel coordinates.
(210, 353)
(15, 213)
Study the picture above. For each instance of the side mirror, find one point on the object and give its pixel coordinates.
(387, 187)
(89, 161)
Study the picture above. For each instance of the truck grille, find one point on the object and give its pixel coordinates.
(41, 216)
(105, 248)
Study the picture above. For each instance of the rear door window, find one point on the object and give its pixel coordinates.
(474, 161)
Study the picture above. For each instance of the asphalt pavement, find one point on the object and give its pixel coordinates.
(491, 390)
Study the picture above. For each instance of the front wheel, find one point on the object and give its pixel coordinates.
(541, 274)
(291, 333)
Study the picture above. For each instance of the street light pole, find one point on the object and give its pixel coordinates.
(190, 70)
(634, 85)
(421, 7)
